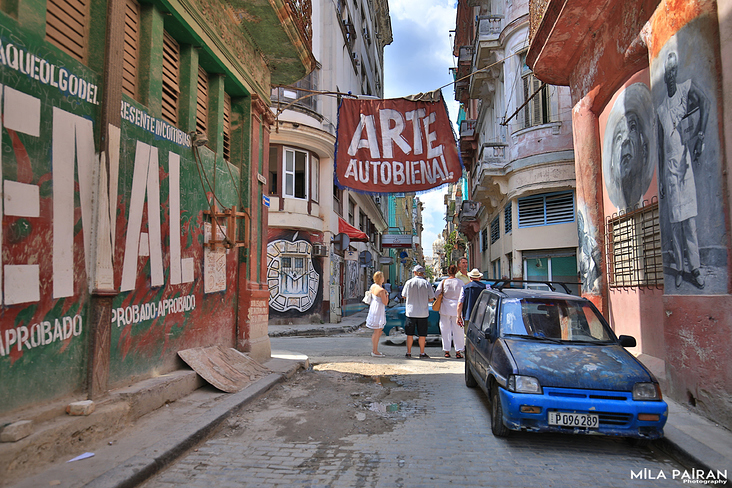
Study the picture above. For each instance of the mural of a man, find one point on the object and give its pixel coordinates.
(589, 259)
(628, 146)
(682, 121)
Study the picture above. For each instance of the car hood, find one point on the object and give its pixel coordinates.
(586, 366)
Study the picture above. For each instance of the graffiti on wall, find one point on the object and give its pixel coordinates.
(292, 278)
(684, 87)
(589, 252)
(629, 147)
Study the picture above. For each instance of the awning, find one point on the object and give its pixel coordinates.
(353, 233)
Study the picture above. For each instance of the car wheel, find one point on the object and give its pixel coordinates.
(469, 378)
(396, 336)
(497, 427)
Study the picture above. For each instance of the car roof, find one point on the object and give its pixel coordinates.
(522, 293)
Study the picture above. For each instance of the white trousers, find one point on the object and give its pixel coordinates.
(451, 332)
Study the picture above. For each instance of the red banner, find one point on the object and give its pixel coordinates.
(395, 146)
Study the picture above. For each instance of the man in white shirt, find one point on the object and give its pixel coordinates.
(418, 293)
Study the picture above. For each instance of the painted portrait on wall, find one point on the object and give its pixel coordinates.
(292, 277)
(684, 88)
(629, 148)
(589, 253)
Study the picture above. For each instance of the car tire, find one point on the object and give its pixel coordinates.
(469, 378)
(497, 426)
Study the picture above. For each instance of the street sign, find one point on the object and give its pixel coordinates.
(396, 240)
(265, 200)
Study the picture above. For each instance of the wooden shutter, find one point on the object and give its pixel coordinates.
(227, 127)
(132, 48)
(202, 102)
(67, 26)
(171, 79)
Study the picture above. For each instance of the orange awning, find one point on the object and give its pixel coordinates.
(353, 233)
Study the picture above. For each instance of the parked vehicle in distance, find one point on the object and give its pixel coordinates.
(549, 362)
(396, 318)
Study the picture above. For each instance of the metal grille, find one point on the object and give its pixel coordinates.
(633, 247)
(495, 230)
(507, 219)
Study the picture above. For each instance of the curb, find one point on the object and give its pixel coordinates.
(152, 460)
(680, 446)
(316, 332)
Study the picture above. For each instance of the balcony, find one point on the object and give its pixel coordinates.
(467, 128)
(285, 33)
(485, 53)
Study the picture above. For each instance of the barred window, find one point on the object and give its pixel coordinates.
(495, 230)
(546, 209)
(67, 26)
(633, 247)
(507, 219)
(484, 239)
(131, 54)
(171, 79)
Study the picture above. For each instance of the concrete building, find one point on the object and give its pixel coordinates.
(518, 210)
(133, 145)
(651, 98)
(311, 279)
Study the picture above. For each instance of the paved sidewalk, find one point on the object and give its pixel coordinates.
(162, 436)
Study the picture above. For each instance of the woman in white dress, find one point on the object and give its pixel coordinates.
(377, 312)
(450, 330)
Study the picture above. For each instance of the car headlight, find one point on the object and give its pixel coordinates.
(524, 384)
(646, 391)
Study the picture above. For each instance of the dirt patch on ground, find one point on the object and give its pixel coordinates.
(329, 402)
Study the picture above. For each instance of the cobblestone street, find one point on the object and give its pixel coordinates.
(425, 429)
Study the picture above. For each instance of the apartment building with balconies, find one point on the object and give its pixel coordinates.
(313, 274)
(518, 214)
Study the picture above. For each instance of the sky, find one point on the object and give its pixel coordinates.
(419, 60)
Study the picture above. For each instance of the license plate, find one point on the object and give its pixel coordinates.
(582, 420)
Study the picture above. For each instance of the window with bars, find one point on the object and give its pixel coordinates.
(131, 54)
(202, 102)
(227, 128)
(495, 230)
(546, 209)
(507, 219)
(633, 248)
(171, 79)
(67, 26)
(484, 240)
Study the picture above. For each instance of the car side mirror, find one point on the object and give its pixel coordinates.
(627, 341)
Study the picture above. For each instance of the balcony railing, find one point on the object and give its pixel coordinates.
(467, 128)
(302, 13)
(489, 27)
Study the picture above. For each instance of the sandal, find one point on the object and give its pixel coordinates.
(447, 354)
(458, 355)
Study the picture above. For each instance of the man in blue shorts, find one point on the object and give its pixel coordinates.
(418, 293)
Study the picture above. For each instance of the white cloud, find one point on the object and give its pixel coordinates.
(418, 60)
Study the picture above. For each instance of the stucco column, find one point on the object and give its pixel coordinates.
(590, 209)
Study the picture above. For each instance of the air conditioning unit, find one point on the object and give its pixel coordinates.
(320, 250)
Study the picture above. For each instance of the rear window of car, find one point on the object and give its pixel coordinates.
(564, 320)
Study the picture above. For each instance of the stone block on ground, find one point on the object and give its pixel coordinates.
(84, 407)
(16, 431)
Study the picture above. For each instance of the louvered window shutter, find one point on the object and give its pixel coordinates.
(171, 79)
(202, 102)
(67, 26)
(536, 102)
(132, 48)
(227, 127)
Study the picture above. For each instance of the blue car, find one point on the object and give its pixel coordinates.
(395, 319)
(549, 362)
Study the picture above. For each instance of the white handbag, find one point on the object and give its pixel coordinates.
(367, 298)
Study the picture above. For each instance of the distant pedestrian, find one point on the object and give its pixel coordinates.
(450, 330)
(387, 287)
(418, 293)
(462, 273)
(377, 312)
(469, 296)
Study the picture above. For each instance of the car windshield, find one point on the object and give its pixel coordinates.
(554, 319)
